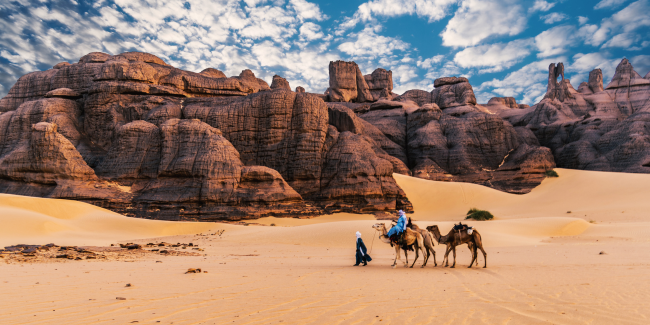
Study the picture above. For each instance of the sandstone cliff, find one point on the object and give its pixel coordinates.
(133, 134)
(594, 128)
(130, 133)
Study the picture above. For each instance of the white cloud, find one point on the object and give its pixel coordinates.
(529, 82)
(584, 63)
(555, 41)
(310, 31)
(553, 18)
(641, 64)
(477, 20)
(541, 5)
(433, 10)
(627, 20)
(624, 40)
(496, 57)
(368, 44)
(608, 3)
(582, 20)
(428, 63)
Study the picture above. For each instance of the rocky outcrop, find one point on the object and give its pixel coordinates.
(347, 83)
(596, 129)
(133, 134)
(289, 132)
(507, 102)
(380, 84)
(475, 147)
(555, 90)
(449, 92)
(130, 133)
(280, 83)
(625, 77)
(596, 81)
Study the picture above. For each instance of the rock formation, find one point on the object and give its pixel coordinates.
(347, 83)
(133, 134)
(130, 133)
(595, 129)
(280, 83)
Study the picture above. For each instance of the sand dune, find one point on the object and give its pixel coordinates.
(31, 220)
(598, 196)
(544, 264)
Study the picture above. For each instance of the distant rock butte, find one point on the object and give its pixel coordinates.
(594, 128)
(133, 134)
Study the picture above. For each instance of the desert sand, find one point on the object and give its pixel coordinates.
(544, 264)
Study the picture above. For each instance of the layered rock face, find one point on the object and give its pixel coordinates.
(595, 128)
(130, 133)
(443, 135)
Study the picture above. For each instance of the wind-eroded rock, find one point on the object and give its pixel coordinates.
(596, 129)
(347, 83)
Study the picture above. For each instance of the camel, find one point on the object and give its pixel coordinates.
(410, 237)
(453, 239)
(428, 243)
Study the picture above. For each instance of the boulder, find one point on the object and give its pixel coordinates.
(212, 73)
(508, 102)
(280, 83)
(300, 89)
(44, 156)
(380, 83)
(347, 83)
(452, 92)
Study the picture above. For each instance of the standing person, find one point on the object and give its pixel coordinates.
(362, 252)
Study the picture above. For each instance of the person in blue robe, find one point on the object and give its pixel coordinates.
(362, 252)
(400, 226)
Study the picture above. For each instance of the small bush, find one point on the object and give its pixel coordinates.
(272, 225)
(551, 173)
(477, 214)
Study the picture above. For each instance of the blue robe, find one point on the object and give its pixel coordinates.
(362, 255)
(399, 227)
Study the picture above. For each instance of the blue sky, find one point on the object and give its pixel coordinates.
(503, 46)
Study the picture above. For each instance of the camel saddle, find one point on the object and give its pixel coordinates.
(396, 239)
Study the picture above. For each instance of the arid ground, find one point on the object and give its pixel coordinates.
(576, 250)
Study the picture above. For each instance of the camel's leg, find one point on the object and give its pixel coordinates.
(472, 252)
(446, 259)
(434, 257)
(416, 254)
(424, 256)
(479, 243)
(474, 257)
(396, 256)
(406, 253)
(454, 265)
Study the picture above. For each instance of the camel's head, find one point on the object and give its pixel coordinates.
(431, 228)
(379, 226)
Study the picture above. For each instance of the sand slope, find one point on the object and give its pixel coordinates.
(29, 220)
(544, 264)
(598, 196)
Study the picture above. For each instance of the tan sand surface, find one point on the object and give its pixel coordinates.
(544, 264)
(28, 220)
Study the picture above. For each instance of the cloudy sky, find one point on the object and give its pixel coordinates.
(503, 46)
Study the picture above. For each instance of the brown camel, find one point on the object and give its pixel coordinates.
(428, 243)
(454, 238)
(409, 238)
